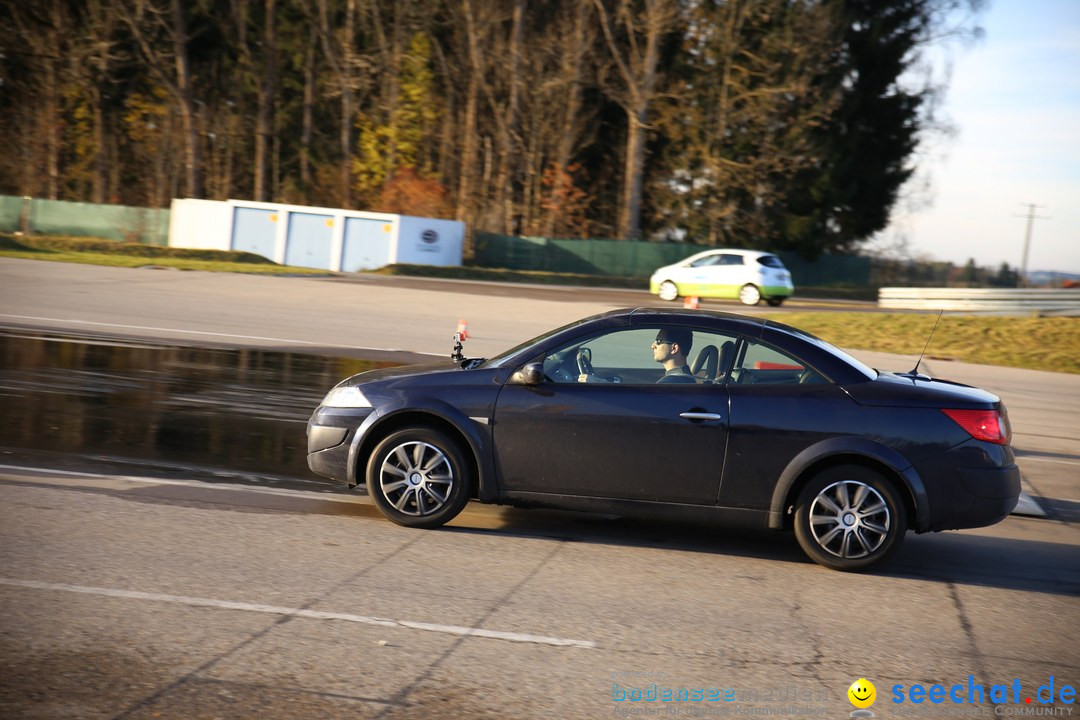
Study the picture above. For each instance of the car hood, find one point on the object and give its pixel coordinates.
(401, 371)
(894, 390)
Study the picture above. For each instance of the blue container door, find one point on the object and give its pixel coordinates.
(309, 239)
(255, 231)
(367, 244)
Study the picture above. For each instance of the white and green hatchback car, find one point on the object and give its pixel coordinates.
(749, 275)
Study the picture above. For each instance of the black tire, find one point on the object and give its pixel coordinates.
(852, 534)
(434, 474)
(775, 301)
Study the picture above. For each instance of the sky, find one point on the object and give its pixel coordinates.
(1014, 102)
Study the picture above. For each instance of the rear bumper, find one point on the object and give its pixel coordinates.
(776, 291)
(978, 497)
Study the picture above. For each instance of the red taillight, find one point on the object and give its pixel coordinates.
(985, 425)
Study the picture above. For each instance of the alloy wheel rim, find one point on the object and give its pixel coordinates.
(416, 478)
(668, 291)
(849, 519)
(749, 295)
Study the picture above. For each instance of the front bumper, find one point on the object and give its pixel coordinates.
(330, 433)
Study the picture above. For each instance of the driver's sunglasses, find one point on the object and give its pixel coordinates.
(659, 341)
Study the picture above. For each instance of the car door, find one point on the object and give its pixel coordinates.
(730, 275)
(779, 406)
(700, 275)
(633, 439)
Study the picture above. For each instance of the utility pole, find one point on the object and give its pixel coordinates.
(1031, 218)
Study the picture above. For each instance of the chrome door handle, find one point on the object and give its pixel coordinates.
(700, 416)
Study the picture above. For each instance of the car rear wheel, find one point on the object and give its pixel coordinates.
(749, 295)
(668, 290)
(849, 518)
(418, 477)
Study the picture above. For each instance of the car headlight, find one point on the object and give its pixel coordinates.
(346, 397)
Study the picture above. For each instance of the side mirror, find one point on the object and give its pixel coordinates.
(531, 374)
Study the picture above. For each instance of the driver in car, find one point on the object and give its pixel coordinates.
(670, 349)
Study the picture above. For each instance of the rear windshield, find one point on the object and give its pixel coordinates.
(770, 261)
(862, 367)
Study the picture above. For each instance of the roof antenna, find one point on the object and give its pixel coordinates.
(915, 370)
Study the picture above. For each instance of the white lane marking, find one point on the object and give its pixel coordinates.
(308, 494)
(301, 613)
(210, 334)
(1049, 460)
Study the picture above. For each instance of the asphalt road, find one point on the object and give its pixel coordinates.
(131, 597)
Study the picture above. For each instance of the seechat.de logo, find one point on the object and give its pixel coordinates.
(1008, 698)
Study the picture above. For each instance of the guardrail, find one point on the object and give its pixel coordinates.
(1003, 301)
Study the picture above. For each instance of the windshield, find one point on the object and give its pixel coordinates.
(498, 360)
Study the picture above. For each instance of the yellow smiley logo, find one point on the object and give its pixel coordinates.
(862, 693)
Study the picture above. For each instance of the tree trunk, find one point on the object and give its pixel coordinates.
(468, 128)
(52, 131)
(508, 130)
(638, 70)
(265, 100)
(101, 166)
(347, 107)
(307, 122)
(571, 75)
(192, 167)
(634, 170)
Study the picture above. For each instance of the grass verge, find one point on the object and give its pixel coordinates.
(95, 251)
(1036, 343)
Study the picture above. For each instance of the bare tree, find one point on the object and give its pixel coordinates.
(575, 45)
(160, 31)
(45, 29)
(467, 165)
(95, 55)
(508, 136)
(307, 122)
(635, 52)
(339, 49)
(261, 67)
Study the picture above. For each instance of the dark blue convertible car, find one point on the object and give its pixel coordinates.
(767, 425)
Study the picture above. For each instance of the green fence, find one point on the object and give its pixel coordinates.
(640, 259)
(10, 210)
(114, 222)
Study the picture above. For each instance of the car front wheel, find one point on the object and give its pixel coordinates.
(749, 295)
(775, 301)
(668, 290)
(849, 518)
(418, 477)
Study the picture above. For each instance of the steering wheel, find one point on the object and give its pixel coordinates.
(586, 372)
(584, 363)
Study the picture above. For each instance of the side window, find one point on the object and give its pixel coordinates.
(643, 356)
(706, 261)
(760, 364)
(731, 260)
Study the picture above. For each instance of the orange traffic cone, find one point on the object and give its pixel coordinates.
(463, 329)
(691, 302)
